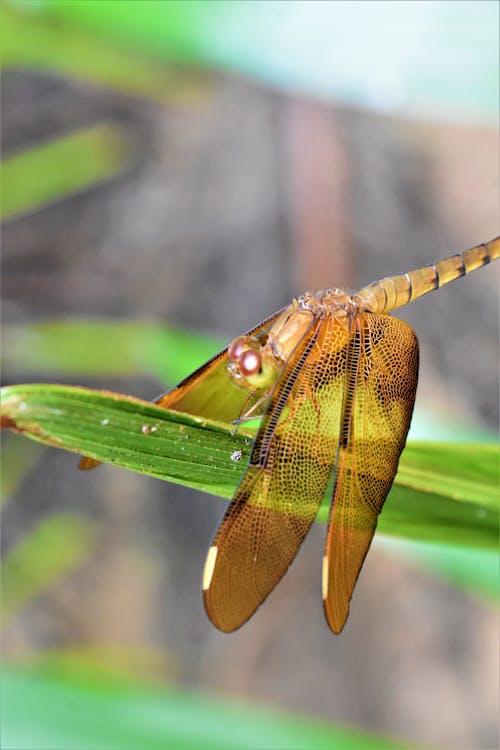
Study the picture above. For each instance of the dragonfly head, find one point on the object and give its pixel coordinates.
(249, 364)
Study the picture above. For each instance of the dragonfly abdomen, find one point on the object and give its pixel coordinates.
(395, 291)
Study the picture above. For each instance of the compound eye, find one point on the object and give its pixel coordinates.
(250, 362)
(235, 349)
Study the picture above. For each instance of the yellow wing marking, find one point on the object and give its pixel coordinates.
(279, 495)
(383, 384)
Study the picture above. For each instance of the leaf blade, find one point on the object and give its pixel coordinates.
(442, 492)
(131, 715)
(52, 170)
(127, 432)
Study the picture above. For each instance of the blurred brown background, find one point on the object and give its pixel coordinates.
(234, 200)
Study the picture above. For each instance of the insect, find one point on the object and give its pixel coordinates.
(333, 377)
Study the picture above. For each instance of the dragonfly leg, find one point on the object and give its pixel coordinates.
(248, 413)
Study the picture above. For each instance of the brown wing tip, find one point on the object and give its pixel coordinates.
(336, 617)
(86, 463)
(208, 572)
(224, 618)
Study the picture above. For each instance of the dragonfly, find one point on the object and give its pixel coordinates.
(333, 378)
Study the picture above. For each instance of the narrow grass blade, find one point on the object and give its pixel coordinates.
(443, 492)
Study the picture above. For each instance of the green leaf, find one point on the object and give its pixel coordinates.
(53, 170)
(128, 432)
(309, 46)
(469, 568)
(18, 456)
(81, 347)
(67, 714)
(443, 492)
(57, 545)
(31, 40)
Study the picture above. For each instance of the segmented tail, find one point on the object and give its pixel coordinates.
(395, 291)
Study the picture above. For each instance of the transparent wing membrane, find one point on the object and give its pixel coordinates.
(280, 493)
(335, 377)
(384, 367)
(209, 391)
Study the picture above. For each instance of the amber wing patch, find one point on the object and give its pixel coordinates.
(380, 392)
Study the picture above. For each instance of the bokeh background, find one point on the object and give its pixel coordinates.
(195, 165)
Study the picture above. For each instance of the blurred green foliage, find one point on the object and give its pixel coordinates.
(475, 570)
(441, 492)
(437, 59)
(47, 709)
(81, 348)
(32, 39)
(18, 457)
(58, 544)
(47, 172)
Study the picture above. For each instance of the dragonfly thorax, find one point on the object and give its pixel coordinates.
(255, 364)
(327, 302)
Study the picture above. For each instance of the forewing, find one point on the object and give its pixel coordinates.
(279, 495)
(378, 403)
(209, 391)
